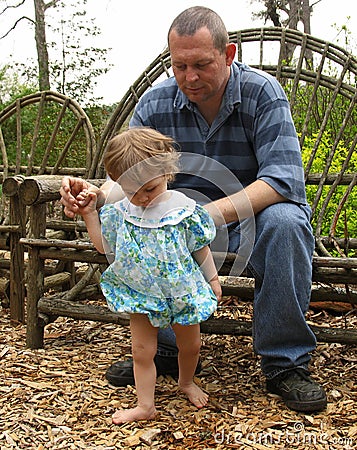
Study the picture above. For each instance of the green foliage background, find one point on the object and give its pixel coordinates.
(347, 223)
(76, 157)
(339, 134)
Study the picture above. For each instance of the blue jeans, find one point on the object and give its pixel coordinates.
(281, 263)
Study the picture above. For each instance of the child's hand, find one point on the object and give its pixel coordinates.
(216, 287)
(87, 202)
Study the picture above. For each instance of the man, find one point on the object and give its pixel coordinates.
(226, 112)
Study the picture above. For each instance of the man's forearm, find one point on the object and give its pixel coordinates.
(243, 204)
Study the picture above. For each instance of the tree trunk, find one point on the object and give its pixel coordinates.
(306, 16)
(294, 14)
(41, 45)
(298, 11)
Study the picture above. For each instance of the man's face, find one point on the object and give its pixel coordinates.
(201, 71)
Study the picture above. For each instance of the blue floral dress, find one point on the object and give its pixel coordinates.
(153, 271)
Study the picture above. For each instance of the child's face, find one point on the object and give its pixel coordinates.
(146, 194)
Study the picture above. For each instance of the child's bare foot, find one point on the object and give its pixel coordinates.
(194, 394)
(133, 414)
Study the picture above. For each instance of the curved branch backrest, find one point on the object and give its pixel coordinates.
(45, 133)
(320, 81)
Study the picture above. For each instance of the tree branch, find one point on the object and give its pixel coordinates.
(51, 3)
(317, 1)
(15, 24)
(12, 6)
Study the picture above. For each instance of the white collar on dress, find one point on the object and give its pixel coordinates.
(168, 212)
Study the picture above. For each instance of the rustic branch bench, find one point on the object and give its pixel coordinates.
(60, 127)
(319, 79)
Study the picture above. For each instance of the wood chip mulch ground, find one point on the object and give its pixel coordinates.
(58, 397)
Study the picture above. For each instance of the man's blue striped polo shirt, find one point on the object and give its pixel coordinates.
(253, 137)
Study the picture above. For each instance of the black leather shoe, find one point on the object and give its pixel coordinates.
(298, 391)
(121, 373)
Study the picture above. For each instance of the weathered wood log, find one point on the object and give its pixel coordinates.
(9, 228)
(315, 178)
(80, 311)
(241, 287)
(11, 185)
(91, 291)
(73, 171)
(77, 288)
(66, 225)
(244, 288)
(84, 256)
(333, 294)
(44, 319)
(5, 289)
(219, 257)
(35, 278)
(4, 263)
(5, 266)
(323, 275)
(54, 305)
(4, 273)
(17, 264)
(347, 263)
(334, 307)
(55, 234)
(238, 286)
(57, 279)
(60, 244)
(44, 188)
(79, 225)
(334, 275)
(4, 242)
(81, 251)
(350, 243)
(239, 328)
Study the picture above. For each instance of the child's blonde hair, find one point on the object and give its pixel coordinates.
(141, 154)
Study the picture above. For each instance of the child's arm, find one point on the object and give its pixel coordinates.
(90, 216)
(204, 258)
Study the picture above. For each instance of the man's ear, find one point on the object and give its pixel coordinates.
(230, 53)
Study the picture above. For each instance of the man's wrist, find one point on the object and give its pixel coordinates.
(100, 199)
